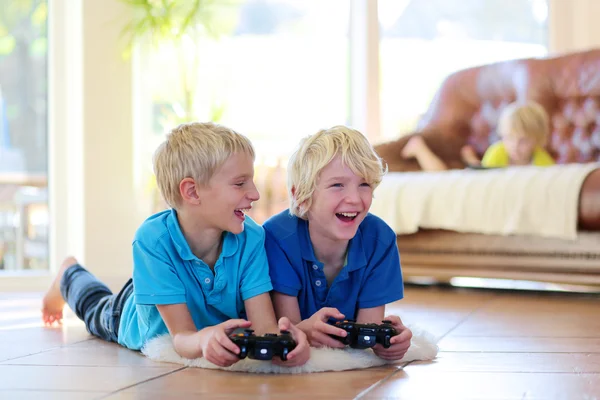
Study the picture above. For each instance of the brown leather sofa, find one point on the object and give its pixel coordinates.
(464, 111)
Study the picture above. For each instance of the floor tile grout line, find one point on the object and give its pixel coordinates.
(52, 390)
(482, 306)
(30, 354)
(525, 337)
(381, 381)
(2, 364)
(59, 391)
(142, 382)
(518, 352)
(46, 350)
(474, 371)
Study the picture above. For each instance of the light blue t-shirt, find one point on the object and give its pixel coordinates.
(167, 272)
(371, 277)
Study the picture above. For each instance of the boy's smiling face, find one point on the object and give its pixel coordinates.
(229, 194)
(520, 148)
(340, 203)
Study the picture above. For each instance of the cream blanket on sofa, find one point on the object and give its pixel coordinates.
(540, 201)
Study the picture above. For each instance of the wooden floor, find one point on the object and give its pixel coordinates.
(494, 345)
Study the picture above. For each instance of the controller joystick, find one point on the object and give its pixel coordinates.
(263, 347)
(363, 336)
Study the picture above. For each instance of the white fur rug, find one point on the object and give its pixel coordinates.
(423, 347)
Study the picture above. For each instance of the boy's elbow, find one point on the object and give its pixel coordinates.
(187, 345)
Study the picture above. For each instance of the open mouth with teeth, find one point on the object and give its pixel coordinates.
(346, 216)
(241, 212)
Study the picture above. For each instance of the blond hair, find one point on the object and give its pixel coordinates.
(315, 152)
(194, 150)
(525, 119)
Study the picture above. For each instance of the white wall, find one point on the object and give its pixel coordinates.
(573, 25)
(91, 164)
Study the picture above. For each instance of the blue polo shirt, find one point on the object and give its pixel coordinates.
(370, 278)
(167, 272)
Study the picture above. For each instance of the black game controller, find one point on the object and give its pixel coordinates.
(363, 336)
(263, 347)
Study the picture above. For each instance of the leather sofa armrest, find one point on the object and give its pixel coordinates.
(390, 153)
(589, 202)
(444, 142)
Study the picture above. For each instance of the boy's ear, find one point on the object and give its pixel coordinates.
(188, 192)
(300, 206)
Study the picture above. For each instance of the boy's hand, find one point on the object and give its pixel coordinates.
(318, 330)
(400, 342)
(216, 345)
(301, 354)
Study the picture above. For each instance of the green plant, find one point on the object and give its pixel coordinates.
(171, 20)
(182, 25)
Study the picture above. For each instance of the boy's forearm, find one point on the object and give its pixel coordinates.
(264, 322)
(262, 327)
(304, 326)
(370, 315)
(187, 345)
(260, 312)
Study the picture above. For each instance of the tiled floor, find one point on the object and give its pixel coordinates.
(493, 345)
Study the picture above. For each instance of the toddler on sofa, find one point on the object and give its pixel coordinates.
(523, 129)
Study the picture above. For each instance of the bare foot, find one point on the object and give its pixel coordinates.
(469, 156)
(413, 147)
(53, 303)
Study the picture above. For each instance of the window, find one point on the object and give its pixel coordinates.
(423, 41)
(23, 135)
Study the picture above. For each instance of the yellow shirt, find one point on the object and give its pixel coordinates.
(497, 156)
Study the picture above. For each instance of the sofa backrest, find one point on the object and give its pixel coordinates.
(467, 106)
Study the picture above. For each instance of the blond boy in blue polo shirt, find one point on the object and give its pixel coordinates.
(199, 268)
(328, 257)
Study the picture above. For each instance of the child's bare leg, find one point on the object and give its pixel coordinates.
(53, 303)
(469, 156)
(427, 159)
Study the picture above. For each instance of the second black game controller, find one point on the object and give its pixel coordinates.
(364, 336)
(263, 347)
